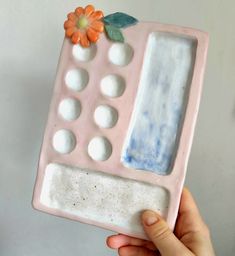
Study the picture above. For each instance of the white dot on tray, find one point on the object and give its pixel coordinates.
(70, 109)
(105, 116)
(99, 149)
(84, 54)
(64, 141)
(113, 85)
(77, 79)
(120, 54)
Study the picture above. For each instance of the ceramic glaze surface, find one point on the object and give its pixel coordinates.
(91, 194)
(99, 149)
(69, 109)
(77, 79)
(84, 54)
(125, 114)
(105, 116)
(112, 86)
(120, 54)
(64, 141)
(160, 103)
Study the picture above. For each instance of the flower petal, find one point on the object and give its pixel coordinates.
(69, 31)
(79, 11)
(84, 40)
(92, 35)
(76, 37)
(97, 15)
(72, 16)
(97, 25)
(89, 9)
(69, 24)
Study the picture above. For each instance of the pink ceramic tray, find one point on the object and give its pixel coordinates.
(121, 124)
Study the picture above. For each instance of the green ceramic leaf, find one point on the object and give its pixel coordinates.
(114, 34)
(120, 20)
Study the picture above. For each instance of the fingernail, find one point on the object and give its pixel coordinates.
(150, 219)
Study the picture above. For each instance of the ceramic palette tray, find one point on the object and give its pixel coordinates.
(121, 123)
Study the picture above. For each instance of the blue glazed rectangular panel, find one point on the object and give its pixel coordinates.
(155, 126)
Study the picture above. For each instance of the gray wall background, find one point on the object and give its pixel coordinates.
(31, 34)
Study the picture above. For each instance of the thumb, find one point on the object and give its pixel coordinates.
(160, 234)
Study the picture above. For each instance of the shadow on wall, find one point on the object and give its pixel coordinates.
(27, 103)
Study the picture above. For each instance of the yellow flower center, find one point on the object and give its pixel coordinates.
(82, 22)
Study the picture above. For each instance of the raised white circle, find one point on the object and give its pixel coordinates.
(105, 116)
(64, 141)
(70, 109)
(77, 79)
(121, 54)
(112, 85)
(99, 149)
(84, 54)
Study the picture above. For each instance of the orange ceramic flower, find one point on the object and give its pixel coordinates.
(84, 25)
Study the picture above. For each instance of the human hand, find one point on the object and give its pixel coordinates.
(190, 238)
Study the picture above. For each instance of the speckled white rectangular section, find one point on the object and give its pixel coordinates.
(160, 104)
(101, 197)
